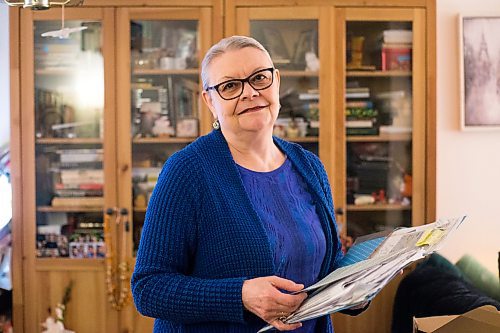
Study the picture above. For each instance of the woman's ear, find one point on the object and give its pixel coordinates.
(278, 77)
(208, 102)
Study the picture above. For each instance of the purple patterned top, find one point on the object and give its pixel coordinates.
(288, 213)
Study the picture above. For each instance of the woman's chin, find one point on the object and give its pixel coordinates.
(256, 125)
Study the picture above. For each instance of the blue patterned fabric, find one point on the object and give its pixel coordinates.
(288, 213)
(361, 251)
(202, 239)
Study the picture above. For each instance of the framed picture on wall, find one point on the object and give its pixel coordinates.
(480, 72)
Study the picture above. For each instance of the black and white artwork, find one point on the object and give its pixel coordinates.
(480, 43)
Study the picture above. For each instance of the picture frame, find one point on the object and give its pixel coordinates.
(479, 49)
(275, 44)
(187, 128)
(307, 42)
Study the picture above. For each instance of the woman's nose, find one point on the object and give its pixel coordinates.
(248, 91)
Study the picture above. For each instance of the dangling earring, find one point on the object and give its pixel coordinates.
(216, 124)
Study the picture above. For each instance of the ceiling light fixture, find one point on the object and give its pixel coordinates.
(43, 4)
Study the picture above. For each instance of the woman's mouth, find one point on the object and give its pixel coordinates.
(254, 109)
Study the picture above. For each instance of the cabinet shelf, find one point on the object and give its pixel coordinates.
(55, 71)
(377, 207)
(380, 138)
(166, 72)
(307, 139)
(68, 264)
(378, 73)
(68, 209)
(163, 140)
(66, 141)
(298, 73)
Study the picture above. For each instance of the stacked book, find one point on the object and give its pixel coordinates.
(396, 50)
(80, 178)
(361, 116)
(310, 100)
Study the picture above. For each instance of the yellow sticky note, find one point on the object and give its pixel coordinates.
(430, 237)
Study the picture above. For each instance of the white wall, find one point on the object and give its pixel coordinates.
(468, 163)
(4, 76)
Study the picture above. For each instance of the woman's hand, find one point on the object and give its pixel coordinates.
(262, 296)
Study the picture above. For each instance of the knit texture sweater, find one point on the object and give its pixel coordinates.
(202, 239)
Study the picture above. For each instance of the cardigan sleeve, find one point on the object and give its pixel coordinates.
(161, 285)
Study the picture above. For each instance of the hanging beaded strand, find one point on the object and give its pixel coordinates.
(117, 287)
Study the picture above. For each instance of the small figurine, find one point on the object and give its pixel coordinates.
(292, 131)
(312, 62)
(162, 127)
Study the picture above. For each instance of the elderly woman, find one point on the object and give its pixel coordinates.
(239, 219)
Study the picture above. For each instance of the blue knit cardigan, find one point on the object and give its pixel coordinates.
(202, 239)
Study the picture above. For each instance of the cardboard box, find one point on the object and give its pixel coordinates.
(483, 319)
(396, 59)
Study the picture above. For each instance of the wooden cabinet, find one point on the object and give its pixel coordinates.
(96, 115)
(374, 90)
(100, 112)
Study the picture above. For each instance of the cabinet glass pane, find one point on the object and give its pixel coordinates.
(378, 125)
(164, 101)
(69, 105)
(293, 46)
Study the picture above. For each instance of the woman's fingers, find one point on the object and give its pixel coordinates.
(285, 284)
(279, 325)
(264, 297)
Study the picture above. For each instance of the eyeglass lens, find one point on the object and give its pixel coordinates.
(234, 88)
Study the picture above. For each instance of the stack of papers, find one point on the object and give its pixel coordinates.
(369, 266)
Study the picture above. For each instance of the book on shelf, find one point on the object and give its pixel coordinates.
(352, 131)
(308, 96)
(368, 68)
(356, 95)
(80, 155)
(360, 123)
(79, 186)
(77, 201)
(357, 92)
(78, 176)
(359, 104)
(78, 193)
(360, 113)
(79, 165)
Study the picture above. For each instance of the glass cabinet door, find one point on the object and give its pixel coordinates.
(293, 45)
(68, 161)
(383, 120)
(160, 111)
(69, 135)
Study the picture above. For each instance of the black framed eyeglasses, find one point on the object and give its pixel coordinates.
(231, 89)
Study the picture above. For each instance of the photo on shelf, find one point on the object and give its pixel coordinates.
(480, 70)
(274, 43)
(307, 42)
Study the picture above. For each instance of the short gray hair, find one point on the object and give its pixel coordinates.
(232, 43)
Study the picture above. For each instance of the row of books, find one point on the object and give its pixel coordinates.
(79, 178)
(361, 116)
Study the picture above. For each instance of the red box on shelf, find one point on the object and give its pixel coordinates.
(396, 58)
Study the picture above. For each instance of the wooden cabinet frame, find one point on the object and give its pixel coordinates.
(220, 19)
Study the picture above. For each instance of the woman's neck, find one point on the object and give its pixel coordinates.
(255, 152)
